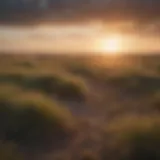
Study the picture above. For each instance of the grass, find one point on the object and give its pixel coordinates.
(64, 87)
(9, 151)
(80, 107)
(87, 155)
(136, 83)
(155, 102)
(135, 138)
(31, 119)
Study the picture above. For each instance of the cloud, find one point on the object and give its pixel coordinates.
(38, 11)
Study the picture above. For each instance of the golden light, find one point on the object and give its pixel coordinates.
(111, 45)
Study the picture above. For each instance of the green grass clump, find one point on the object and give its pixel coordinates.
(154, 102)
(83, 70)
(89, 69)
(136, 83)
(33, 120)
(88, 156)
(25, 64)
(9, 151)
(64, 87)
(135, 138)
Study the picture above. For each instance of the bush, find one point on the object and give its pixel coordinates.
(33, 120)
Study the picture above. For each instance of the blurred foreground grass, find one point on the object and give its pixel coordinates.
(80, 108)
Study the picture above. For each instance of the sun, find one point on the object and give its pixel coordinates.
(111, 45)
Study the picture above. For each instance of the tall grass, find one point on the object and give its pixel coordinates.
(134, 138)
(9, 151)
(64, 87)
(136, 83)
(118, 121)
(33, 120)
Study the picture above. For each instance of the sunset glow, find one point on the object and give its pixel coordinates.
(112, 44)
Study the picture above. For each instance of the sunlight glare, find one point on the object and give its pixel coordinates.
(112, 44)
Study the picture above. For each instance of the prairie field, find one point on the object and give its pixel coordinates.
(79, 107)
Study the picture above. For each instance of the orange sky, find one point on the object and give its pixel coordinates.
(73, 38)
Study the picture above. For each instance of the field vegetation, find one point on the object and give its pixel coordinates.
(66, 107)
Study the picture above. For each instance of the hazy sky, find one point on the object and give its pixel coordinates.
(78, 25)
(48, 38)
(72, 38)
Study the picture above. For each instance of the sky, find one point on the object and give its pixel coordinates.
(79, 25)
(75, 10)
(48, 38)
